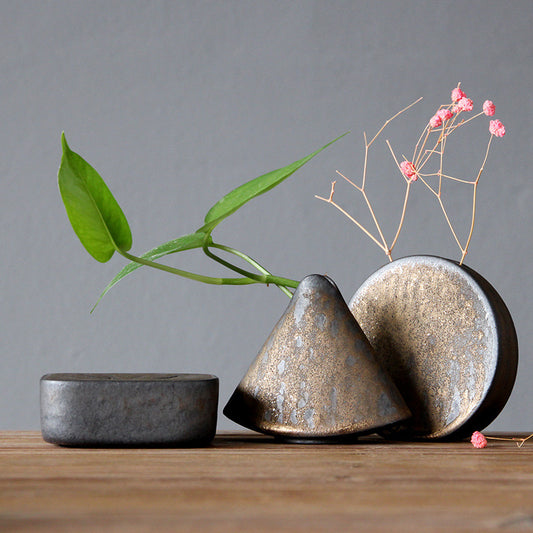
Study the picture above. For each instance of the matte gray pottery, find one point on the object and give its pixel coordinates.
(129, 409)
(448, 340)
(316, 377)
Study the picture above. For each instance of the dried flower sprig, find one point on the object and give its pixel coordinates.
(479, 440)
(446, 120)
(409, 174)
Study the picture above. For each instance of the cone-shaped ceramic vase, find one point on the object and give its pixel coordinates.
(316, 377)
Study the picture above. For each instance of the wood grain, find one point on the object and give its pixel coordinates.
(247, 482)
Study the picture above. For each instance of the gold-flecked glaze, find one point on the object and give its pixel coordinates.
(316, 376)
(442, 337)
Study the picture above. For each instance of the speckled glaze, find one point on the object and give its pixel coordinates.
(129, 409)
(448, 340)
(316, 376)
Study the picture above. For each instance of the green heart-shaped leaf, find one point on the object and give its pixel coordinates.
(95, 215)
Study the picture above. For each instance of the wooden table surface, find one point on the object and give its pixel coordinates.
(247, 482)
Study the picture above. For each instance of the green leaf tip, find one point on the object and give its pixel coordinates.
(235, 199)
(94, 214)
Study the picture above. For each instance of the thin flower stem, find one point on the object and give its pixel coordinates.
(450, 224)
(369, 205)
(525, 440)
(519, 441)
(391, 119)
(465, 251)
(396, 161)
(385, 246)
(365, 163)
(438, 152)
(402, 217)
(467, 182)
(441, 163)
(447, 177)
(428, 185)
(360, 189)
(463, 122)
(406, 198)
(427, 129)
(426, 155)
(345, 213)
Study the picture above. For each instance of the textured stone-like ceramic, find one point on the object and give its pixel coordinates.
(129, 409)
(448, 340)
(316, 376)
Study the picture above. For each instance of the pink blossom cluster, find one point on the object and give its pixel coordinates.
(457, 94)
(460, 103)
(464, 104)
(496, 128)
(489, 108)
(440, 116)
(408, 170)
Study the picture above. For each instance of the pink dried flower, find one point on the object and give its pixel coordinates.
(478, 440)
(408, 170)
(489, 108)
(465, 104)
(435, 121)
(497, 128)
(444, 114)
(457, 94)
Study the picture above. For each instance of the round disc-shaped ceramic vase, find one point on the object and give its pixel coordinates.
(447, 339)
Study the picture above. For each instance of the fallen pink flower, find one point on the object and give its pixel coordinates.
(496, 128)
(489, 108)
(478, 440)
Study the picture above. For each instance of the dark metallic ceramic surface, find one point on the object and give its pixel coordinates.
(316, 376)
(448, 340)
(128, 409)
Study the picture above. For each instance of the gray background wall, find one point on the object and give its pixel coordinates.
(176, 103)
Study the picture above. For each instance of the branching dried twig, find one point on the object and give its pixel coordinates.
(383, 244)
(445, 122)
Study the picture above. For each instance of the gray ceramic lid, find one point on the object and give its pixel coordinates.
(128, 409)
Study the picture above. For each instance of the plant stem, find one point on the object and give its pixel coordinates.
(265, 278)
(253, 262)
(190, 275)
